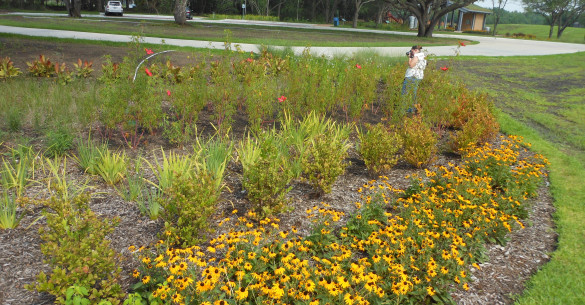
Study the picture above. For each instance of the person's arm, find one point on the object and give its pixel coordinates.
(412, 61)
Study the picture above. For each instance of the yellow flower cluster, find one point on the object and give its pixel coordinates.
(399, 245)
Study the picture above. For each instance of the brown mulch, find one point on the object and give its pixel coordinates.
(500, 278)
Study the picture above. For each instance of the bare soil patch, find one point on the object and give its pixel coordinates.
(500, 278)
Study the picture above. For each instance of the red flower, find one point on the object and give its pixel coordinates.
(282, 99)
(249, 59)
(168, 92)
(461, 43)
(148, 51)
(444, 68)
(147, 72)
(358, 66)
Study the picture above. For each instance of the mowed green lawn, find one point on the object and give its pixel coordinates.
(570, 34)
(543, 99)
(260, 35)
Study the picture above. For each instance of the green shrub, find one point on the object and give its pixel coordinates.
(324, 159)
(379, 147)
(419, 142)
(481, 127)
(78, 251)
(189, 203)
(266, 173)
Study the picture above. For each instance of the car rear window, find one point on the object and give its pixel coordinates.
(115, 3)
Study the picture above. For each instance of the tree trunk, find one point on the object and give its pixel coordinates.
(328, 11)
(180, 12)
(355, 18)
(496, 21)
(76, 9)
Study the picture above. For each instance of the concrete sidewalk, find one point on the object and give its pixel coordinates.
(487, 46)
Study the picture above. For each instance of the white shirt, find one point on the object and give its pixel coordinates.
(418, 71)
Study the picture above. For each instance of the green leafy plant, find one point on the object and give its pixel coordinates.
(110, 71)
(378, 147)
(190, 202)
(59, 141)
(64, 76)
(78, 295)
(83, 69)
(419, 142)
(7, 69)
(324, 159)
(266, 172)
(480, 127)
(41, 67)
(78, 251)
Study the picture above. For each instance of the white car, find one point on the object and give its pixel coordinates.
(114, 7)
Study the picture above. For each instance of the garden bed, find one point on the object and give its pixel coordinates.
(499, 279)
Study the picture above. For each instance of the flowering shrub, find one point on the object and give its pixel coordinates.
(379, 147)
(409, 246)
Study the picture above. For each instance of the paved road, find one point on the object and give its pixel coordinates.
(487, 46)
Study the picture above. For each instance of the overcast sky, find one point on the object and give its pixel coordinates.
(511, 6)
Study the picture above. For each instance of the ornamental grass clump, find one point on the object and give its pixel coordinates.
(379, 147)
(16, 170)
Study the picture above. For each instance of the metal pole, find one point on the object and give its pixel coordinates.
(298, 10)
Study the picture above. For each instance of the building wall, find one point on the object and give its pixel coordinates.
(467, 22)
(478, 24)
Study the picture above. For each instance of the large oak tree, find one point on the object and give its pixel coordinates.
(429, 12)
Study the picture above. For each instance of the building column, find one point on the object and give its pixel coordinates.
(459, 21)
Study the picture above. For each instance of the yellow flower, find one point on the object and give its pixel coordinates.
(241, 293)
(145, 279)
(431, 291)
(136, 273)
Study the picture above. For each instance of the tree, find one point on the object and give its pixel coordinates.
(550, 9)
(358, 6)
(571, 13)
(180, 12)
(73, 8)
(429, 12)
(497, 11)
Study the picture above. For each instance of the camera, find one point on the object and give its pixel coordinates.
(410, 54)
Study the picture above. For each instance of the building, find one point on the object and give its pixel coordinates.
(469, 18)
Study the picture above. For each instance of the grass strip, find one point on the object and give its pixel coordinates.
(269, 35)
(562, 280)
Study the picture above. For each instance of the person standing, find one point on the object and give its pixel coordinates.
(414, 74)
